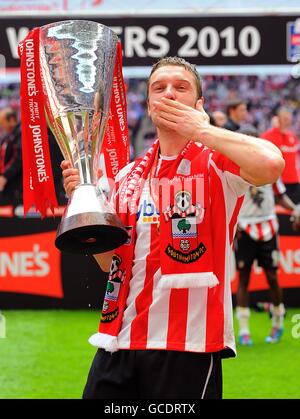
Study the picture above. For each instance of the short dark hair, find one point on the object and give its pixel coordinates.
(11, 114)
(177, 62)
(233, 104)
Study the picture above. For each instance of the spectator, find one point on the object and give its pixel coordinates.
(287, 141)
(236, 113)
(10, 158)
(220, 118)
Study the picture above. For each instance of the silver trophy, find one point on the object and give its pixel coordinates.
(77, 64)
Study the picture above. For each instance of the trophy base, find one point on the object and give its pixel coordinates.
(90, 233)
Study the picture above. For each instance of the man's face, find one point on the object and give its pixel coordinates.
(285, 119)
(220, 118)
(7, 124)
(175, 83)
(239, 114)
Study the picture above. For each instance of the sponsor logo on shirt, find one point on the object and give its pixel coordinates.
(147, 212)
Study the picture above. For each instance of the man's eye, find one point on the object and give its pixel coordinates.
(158, 89)
(181, 87)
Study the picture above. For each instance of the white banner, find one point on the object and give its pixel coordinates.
(132, 7)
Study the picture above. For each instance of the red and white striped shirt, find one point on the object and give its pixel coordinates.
(257, 216)
(194, 319)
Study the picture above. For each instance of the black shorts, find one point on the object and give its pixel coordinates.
(154, 374)
(247, 250)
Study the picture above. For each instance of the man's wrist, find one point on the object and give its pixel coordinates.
(206, 135)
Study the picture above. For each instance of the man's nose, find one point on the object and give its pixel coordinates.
(170, 93)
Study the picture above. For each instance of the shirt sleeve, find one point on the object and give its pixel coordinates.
(231, 172)
(278, 187)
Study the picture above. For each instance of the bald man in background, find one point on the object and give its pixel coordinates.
(220, 118)
(10, 158)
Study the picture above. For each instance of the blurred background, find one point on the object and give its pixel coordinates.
(246, 53)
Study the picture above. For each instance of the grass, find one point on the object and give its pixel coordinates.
(265, 371)
(46, 355)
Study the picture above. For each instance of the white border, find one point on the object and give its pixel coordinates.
(199, 12)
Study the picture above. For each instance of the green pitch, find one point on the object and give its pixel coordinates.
(46, 355)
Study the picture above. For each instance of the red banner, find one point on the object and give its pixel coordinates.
(29, 265)
(38, 185)
(115, 146)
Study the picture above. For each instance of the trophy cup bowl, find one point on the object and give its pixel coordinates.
(77, 60)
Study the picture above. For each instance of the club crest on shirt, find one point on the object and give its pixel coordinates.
(184, 217)
(185, 245)
(116, 277)
(184, 207)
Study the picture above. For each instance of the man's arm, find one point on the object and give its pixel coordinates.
(259, 160)
(71, 180)
(288, 204)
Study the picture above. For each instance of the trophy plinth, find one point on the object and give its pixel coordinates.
(77, 60)
(89, 224)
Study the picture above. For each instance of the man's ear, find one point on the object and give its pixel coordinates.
(200, 103)
(148, 108)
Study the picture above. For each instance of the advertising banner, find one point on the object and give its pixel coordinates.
(30, 264)
(203, 40)
(34, 274)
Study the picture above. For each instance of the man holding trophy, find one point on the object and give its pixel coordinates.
(167, 313)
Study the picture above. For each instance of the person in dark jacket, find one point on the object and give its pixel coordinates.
(236, 113)
(10, 158)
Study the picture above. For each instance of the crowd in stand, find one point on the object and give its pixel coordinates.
(263, 96)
